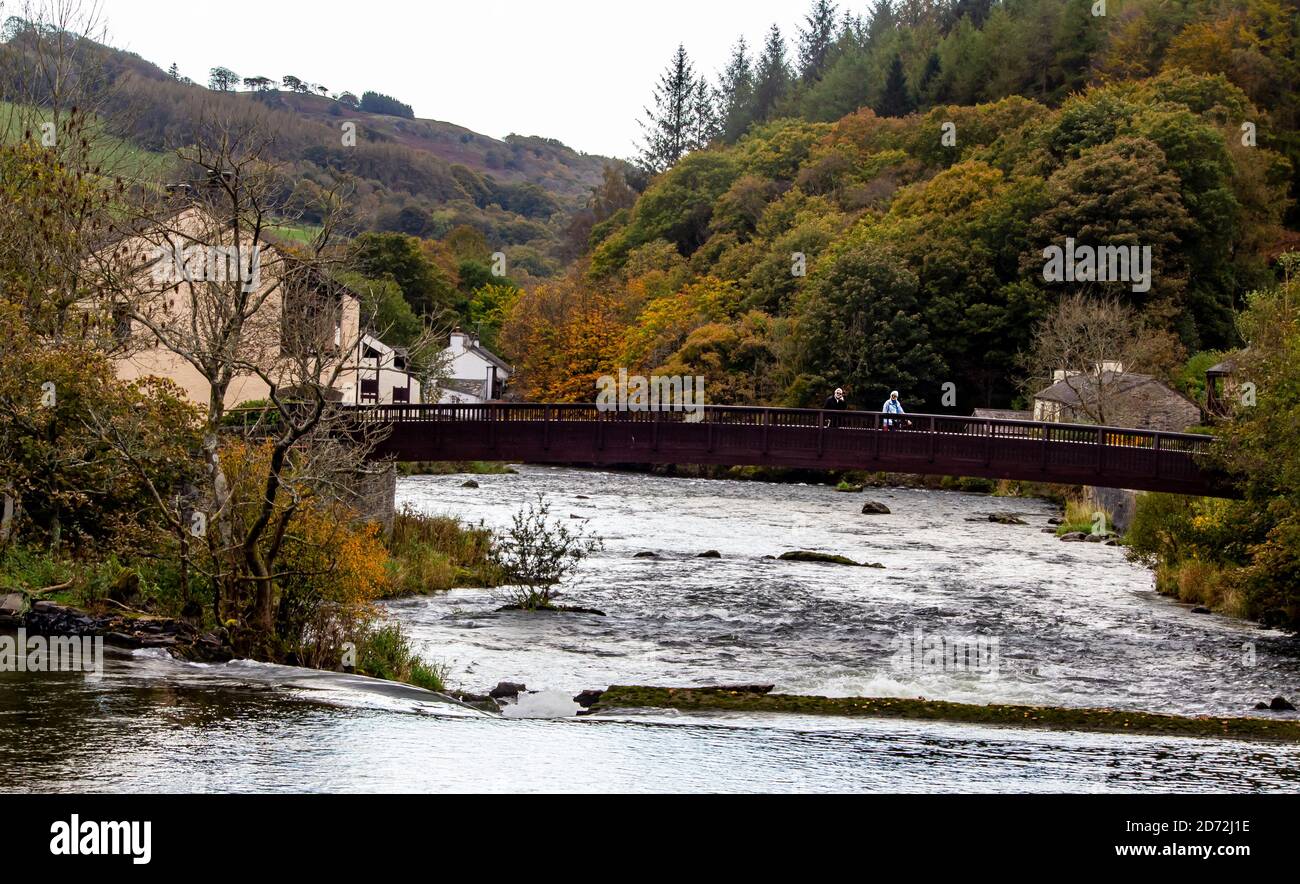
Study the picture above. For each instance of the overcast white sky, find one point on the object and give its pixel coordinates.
(576, 70)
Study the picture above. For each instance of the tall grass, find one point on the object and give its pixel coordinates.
(437, 553)
(385, 652)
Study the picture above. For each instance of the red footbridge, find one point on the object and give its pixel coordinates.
(923, 444)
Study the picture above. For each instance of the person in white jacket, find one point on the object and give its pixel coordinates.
(894, 406)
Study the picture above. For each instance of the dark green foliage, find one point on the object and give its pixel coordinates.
(897, 98)
(860, 327)
(375, 103)
(398, 257)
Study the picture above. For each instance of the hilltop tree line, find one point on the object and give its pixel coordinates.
(903, 56)
(223, 79)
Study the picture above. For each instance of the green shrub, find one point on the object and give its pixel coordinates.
(385, 652)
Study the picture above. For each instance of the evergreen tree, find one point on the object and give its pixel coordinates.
(672, 125)
(929, 78)
(736, 93)
(174, 72)
(708, 127)
(896, 100)
(884, 19)
(852, 33)
(772, 82)
(975, 10)
(817, 40)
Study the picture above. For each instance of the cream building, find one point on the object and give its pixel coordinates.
(186, 273)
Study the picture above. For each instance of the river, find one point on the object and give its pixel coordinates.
(1072, 624)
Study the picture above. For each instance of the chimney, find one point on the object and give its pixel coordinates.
(459, 340)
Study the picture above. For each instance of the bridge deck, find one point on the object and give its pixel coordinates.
(1110, 457)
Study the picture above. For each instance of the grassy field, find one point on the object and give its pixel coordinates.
(116, 156)
(302, 234)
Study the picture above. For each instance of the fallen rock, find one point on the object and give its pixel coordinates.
(711, 554)
(1075, 537)
(1049, 530)
(647, 555)
(1006, 519)
(470, 484)
(1281, 704)
(507, 690)
(875, 508)
(1094, 538)
(1201, 609)
(1057, 522)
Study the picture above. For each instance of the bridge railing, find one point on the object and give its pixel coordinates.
(752, 416)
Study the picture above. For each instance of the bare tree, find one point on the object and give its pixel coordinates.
(1094, 346)
(220, 301)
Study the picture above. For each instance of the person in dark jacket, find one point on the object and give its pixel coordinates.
(836, 402)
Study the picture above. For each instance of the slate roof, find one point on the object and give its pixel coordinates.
(1003, 414)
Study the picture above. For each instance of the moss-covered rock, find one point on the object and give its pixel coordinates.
(825, 559)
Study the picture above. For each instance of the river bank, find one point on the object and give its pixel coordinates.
(135, 606)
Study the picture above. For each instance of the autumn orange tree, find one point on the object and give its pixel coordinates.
(562, 337)
(328, 566)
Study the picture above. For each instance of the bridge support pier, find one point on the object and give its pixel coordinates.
(372, 492)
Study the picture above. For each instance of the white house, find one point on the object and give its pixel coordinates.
(473, 373)
(380, 375)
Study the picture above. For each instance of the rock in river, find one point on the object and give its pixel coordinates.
(587, 699)
(1279, 704)
(874, 508)
(825, 559)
